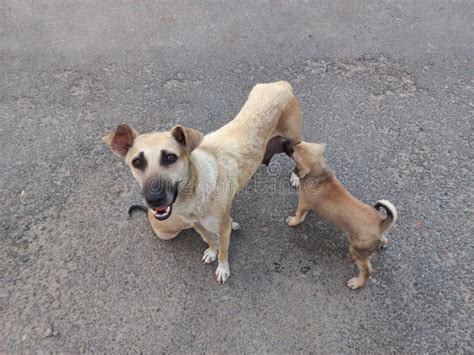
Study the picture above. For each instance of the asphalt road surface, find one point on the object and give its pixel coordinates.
(388, 85)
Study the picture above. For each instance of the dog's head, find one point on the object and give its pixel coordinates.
(309, 158)
(158, 161)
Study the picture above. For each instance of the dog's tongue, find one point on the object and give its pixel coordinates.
(162, 213)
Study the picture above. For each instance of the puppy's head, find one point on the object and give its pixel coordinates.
(158, 161)
(309, 158)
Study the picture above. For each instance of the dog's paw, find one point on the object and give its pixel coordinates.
(355, 283)
(292, 221)
(222, 272)
(235, 226)
(384, 243)
(294, 180)
(209, 256)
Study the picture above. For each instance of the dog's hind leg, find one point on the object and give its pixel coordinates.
(289, 127)
(289, 124)
(235, 226)
(365, 270)
(294, 180)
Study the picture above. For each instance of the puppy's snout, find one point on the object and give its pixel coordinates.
(155, 193)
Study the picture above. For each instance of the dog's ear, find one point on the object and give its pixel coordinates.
(121, 139)
(189, 138)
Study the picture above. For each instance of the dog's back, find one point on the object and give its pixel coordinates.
(240, 144)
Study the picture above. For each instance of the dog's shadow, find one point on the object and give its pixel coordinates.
(185, 242)
(316, 237)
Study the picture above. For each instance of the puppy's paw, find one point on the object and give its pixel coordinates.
(355, 283)
(222, 272)
(235, 226)
(292, 221)
(384, 243)
(209, 256)
(294, 180)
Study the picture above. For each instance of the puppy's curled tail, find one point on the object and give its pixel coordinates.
(391, 214)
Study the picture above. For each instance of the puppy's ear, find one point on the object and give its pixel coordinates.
(189, 138)
(320, 148)
(121, 139)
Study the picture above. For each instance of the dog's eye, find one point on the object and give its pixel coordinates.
(171, 158)
(167, 158)
(139, 162)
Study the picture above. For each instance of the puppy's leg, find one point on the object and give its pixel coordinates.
(223, 270)
(210, 254)
(365, 270)
(301, 213)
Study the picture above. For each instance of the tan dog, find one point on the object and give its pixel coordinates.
(189, 181)
(321, 190)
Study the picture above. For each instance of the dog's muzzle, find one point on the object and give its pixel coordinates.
(160, 196)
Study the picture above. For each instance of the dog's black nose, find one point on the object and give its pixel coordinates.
(155, 194)
(155, 200)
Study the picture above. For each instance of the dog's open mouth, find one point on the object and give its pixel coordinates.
(162, 213)
(160, 197)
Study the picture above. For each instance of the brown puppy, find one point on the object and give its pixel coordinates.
(321, 190)
(189, 180)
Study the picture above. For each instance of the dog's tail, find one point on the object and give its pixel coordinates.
(136, 207)
(391, 214)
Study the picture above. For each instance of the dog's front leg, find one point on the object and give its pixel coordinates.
(210, 254)
(300, 215)
(220, 225)
(223, 270)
